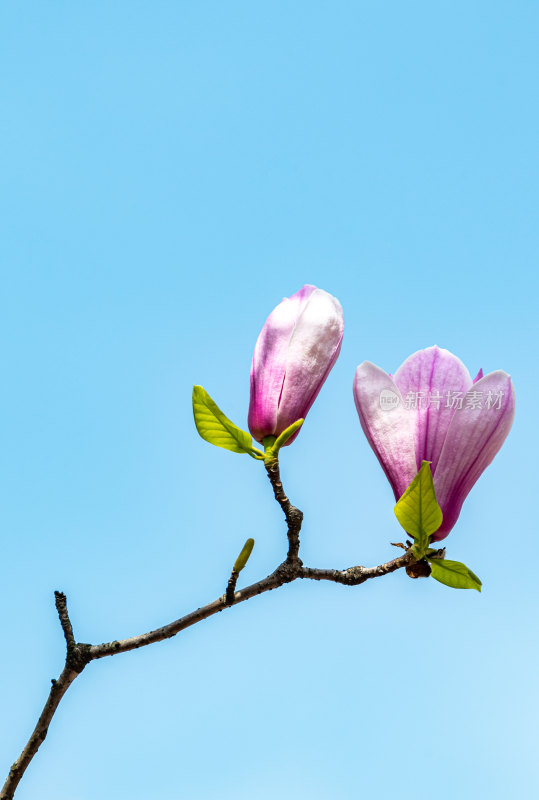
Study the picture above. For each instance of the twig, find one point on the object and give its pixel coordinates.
(294, 517)
(65, 622)
(76, 660)
(78, 654)
(231, 587)
(353, 576)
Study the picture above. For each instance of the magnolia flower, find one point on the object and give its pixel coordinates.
(431, 410)
(294, 354)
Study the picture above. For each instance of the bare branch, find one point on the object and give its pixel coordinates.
(294, 517)
(65, 622)
(231, 587)
(78, 654)
(353, 576)
(76, 660)
(273, 581)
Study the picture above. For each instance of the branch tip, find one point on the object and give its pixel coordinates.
(65, 622)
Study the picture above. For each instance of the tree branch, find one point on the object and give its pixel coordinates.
(294, 517)
(76, 660)
(79, 654)
(231, 587)
(65, 622)
(353, 576)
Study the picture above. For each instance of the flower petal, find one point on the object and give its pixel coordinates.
(387, 424)
(478, 376)
(474, 437)
(429, 373)
(313, 348)
(269, 363)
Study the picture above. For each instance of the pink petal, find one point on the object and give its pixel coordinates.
(474, 437)
(478, 376)
(389, 430)
(431, 373)
(313, 348)
(269, 363)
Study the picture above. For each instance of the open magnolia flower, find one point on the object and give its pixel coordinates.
(293, 356)
(431, 410)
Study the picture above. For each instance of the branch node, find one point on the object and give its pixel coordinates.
(78, 656)
(231, 588)
(354, 576)
(289, 570)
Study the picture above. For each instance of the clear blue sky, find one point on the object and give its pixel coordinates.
(171, 170)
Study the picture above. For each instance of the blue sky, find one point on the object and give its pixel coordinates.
(170, 171)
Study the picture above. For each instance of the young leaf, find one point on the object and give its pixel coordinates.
(273, 445)
(454, 574)
(217, 429)
(243, 557)
(418, 511)
(287, 433)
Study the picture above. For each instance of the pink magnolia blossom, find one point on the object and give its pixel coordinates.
(431, 410)
(294, 354)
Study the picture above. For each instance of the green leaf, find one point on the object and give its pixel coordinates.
(418, 511)
(216, 428)
(273, 445)
(454, 574)
(287, 433)
(243, 557)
